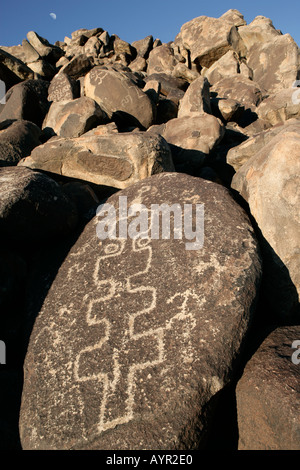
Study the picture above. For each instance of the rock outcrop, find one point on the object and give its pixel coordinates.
(136, 343)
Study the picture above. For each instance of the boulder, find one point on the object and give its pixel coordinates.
(241, 89)
(42, 69)
(226, 66)
(116, 160)
(46, 50)
(13, 70)
(33, 207)
(201, 132)
(27, 101)
(275, 64)
(92, 46)
(269, 182)
(78, 66)
(148, 354)
(118, 95)
(30, 54)
(208, 39)
(235, 17)
(196, 99)
(139, 64)
(227, 109)
(143, 46)
(169, 84)
(62, 87)
(161, 60)
(267, 394)
(261, 30)
(17, 140)
(239, 155)
(280, 106)
(73, 118)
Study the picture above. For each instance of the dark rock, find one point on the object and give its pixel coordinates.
(33, 208)
(13, 70)
(145, 356)
(268, 394)
(27, 101)
(17, 140)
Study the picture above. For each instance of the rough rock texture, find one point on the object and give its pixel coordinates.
(146, 354)
(161, 60)
(241, 89)
(239, 155)
(259, 31)
(280, 106)
(62, 87)
(269, 182)
(17, 140)
(226, 66)
(275, 64)
(74, 118)
(268, 394)
(28, 101)
(208, 39)
(13, 70)
(117, 160)
(196, 99)
(199, 132)
(33, 208)
(119, 96)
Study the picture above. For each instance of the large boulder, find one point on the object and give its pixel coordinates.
(33, 207)
(13, 70)
(196, 99)
(161, 60)
(268, 394)
(239, 88)
(116, 160)
(226, 66)
(143, 46)
(27, 101)
(46, 50)
(208, 39)
(240, 154)
(269, 182)
(17, 140)
(275, 63)
(118, 95)
(73, 118)
(196, 134)
(280, 107)
(261, 30)
(138, 362)
(63, 87)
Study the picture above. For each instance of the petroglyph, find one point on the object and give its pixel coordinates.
(124, 351)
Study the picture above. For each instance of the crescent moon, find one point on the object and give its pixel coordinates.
(53, 15)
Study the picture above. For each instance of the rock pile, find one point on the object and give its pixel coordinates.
(181, 337)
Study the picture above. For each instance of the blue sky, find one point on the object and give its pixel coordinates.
(131, 19)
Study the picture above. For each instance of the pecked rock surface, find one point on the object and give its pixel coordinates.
(148, 352)
(116, 160)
